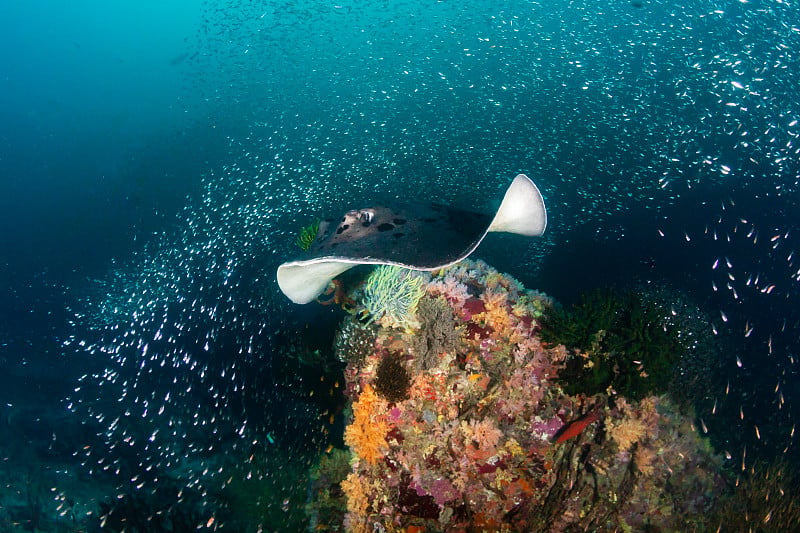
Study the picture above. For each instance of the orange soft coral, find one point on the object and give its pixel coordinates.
(497, 314)
(358, 492)
(366, 435)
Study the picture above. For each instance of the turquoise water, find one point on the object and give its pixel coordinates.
(157, 163)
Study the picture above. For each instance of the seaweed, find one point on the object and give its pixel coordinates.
(619, 340)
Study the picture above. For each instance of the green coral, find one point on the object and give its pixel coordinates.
(391, 295)
(307, 235)
(621, 341)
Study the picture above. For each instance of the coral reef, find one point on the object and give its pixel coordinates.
(354, 341)
(366, 434)
(487, 438)
(329, 505)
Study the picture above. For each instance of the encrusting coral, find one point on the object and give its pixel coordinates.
(485, 438)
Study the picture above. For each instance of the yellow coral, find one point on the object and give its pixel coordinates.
(513, 448)
(357, 492)
(366, 435)
(497, 313)
(644, 459)
(635, 424)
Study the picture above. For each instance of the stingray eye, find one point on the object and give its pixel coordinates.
(366, 216)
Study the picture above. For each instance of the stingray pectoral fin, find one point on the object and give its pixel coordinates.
(302, 281)
(522, 210)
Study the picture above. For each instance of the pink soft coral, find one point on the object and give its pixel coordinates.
(485, 434)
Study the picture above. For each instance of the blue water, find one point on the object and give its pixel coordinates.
(157, 160)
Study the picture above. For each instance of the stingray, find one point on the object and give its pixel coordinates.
(422, 236)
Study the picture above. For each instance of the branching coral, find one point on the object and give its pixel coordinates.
(484, 433)
(627, 432)
(635, 423)
(391, 294)
(357, 492)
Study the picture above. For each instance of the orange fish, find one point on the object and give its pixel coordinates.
(574, 428)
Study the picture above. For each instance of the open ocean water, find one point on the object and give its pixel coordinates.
(157, 160)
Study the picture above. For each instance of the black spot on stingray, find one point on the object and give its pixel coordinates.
(342, 228)
(385, 227)
(399, 221)
(343, 219)
(398, 235)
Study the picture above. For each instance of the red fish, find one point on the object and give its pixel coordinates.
(574, 428)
